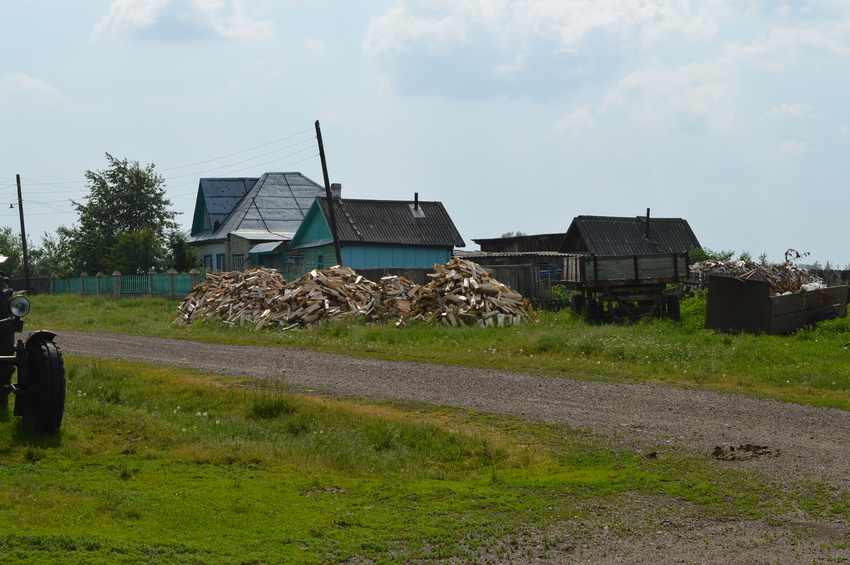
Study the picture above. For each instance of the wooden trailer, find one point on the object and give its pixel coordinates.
(627, 286)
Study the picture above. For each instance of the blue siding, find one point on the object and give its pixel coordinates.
(376, 257)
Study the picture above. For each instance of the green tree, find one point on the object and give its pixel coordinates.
(126, 206)
(10, 247)
(184, 257)
(52, 257)
(699, 254)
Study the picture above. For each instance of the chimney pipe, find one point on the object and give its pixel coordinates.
(336, 190)
(647, 224)
(415, 200)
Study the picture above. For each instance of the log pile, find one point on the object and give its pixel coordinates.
(462, 293)
(262, 297)
(459, 293)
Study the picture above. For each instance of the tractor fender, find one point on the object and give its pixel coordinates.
(39, 336)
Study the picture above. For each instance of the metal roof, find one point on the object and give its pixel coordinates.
(271, 247)
(271, 209)
(522, 243)
(612, 236)
(394, 222)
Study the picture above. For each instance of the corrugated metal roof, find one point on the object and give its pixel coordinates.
(394, 222)
(271, 209)
(271, 247)
(611, 236)
(522, 243)
(222, 195)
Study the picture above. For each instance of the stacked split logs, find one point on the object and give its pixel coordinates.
(460, 293)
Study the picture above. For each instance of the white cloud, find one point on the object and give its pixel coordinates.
(787, 110)
(567, 24)
(24, 84)
(525, 41)
(794, 148)
(577, 122)
(180, 20)
(657, 96)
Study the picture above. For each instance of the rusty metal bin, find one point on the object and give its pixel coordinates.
(741, 305)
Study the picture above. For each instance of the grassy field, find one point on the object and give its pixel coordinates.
(164, 465)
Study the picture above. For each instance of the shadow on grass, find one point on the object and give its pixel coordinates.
(23, 435)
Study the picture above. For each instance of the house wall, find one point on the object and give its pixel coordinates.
(208, 253)
(372, 257)
(376, 257)
(312, 256)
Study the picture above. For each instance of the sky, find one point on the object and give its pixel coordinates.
(516, 115)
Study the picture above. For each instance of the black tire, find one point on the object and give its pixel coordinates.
(577, 304)
(45, 407)
(592, 314)
(674, 308)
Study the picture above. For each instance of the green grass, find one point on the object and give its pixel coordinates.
(808, 366)
(162, 465)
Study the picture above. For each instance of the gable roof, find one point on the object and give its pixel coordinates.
(611, 236)
(216, 199)
(271, 209)
(392, 222)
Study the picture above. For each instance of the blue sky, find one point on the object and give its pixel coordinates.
(517, 115)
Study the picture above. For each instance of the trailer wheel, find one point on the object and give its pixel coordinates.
(577, 304)
(674, 308)
(592, 313)
(45, 405)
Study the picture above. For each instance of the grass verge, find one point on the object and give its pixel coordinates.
(157, 464)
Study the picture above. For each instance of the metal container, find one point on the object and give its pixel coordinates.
(750, 305)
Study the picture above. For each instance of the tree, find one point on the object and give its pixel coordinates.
(126, 207)
(10, 246)
(184, 257)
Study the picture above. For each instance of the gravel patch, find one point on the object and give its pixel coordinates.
(798, 442)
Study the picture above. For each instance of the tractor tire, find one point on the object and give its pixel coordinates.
(674, 308)
(592, 312)
(45, 406)
(577, 304)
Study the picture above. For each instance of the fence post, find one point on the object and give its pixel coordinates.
(83, 276)
(151, 273)
(116, 284)
(171, 272)
(194, 277)
(52, 283)
(99, 275)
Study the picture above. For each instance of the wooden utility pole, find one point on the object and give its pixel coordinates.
(329, 194)
(23, 237)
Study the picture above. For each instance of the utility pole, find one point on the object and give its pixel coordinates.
(23, 237)
(329, 195)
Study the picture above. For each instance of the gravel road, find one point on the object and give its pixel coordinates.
(804, 442)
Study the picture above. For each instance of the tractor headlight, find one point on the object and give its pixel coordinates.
(19, 306)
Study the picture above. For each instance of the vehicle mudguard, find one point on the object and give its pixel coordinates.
(40, 335)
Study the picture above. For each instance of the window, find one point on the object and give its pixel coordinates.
(320, 260)
(238, 262)
(219, 261)
(208, 263)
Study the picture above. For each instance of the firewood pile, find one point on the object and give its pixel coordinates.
(783, 277)
(460, 293)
